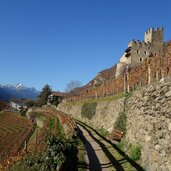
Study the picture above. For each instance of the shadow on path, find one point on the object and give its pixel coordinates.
(126, 158)
(94, 164)
(111, 158)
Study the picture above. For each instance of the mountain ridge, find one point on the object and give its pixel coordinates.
(9, 91)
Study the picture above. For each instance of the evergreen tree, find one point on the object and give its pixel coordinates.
(43, 97)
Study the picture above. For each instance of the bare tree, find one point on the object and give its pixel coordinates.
(72, 85)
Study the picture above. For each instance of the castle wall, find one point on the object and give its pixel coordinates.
(157, 47)
(142, 50)
(125, 59)
(152, 44)
(121, 65)
(120, 68)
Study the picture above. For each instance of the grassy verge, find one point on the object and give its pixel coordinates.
(51, 124)
(108, 99)
(60, 129)
(81, 156)
(133, 151)
(103, 132)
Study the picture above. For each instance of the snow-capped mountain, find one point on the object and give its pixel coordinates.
(8, 91)
(19, 85)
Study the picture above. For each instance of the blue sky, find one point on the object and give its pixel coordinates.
(56, 41)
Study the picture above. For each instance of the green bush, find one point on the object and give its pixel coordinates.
(59, 150)
(81, 164)
(135, 152)
(89, 110)
(122, 144)
(121, 122)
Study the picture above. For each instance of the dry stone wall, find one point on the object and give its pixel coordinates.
(149, 124)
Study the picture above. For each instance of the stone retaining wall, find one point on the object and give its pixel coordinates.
(148, 113)
(149, 124)
(105, 115)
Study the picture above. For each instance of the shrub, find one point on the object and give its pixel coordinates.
(59, 150)
(122, 144)
(89, 110)
(121, 122)
(135, 152)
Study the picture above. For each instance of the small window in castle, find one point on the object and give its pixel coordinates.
(141, 59)
(138, 51)
(145, 52)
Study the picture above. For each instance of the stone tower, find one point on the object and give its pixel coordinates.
(154, 35)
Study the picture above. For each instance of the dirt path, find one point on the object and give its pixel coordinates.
(95, 157)
(102, 155)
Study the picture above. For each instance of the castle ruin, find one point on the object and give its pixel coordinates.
(137, 51)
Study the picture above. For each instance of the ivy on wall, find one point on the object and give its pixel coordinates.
(121, 122)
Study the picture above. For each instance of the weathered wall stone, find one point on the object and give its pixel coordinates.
(74, 110)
